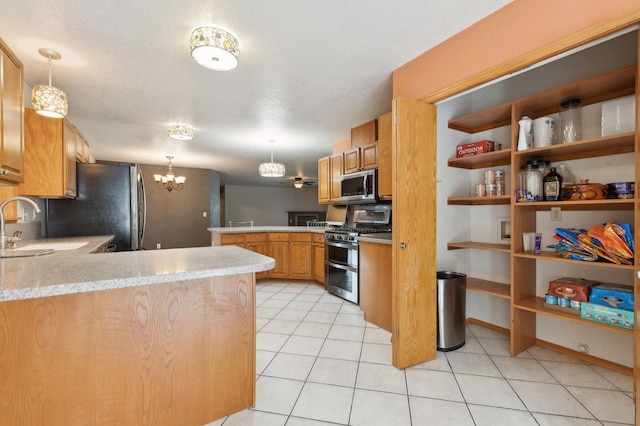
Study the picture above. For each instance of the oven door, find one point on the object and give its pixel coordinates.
(342, 281)
(345, 254)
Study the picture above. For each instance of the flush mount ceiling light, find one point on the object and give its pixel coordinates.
(169, 181)
(47, 100)
(180, 132)
(214, 48)
(271, 169)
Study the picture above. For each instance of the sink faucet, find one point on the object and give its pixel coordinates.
(3, 233)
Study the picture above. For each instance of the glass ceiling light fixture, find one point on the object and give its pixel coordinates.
(169, 181)
(181, 132)
(47, 100)
(214, 48)
(271, 169)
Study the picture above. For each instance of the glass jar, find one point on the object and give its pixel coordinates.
(529, 184)
(570, 121)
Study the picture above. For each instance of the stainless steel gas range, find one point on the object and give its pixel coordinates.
(341, 247)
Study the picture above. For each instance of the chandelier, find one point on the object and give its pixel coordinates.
(214, 48)
(47, 100)
(169, 181)
(271, 169)
(181, 132)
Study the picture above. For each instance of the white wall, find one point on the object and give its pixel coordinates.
(480, 223)
(268, 206)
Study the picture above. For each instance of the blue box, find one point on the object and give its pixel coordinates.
(617, 296)
(607, 315)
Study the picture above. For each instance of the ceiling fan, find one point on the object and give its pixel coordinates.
(299, 182)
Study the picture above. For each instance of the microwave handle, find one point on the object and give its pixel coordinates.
(365, 184)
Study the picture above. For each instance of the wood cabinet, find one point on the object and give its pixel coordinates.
(279, 250)
(384, 157)
(50, 157)
(317, 247)
(329, 173)
(364, 134)
(414, 229)
(11, 116)
(300, 255)
(254, 241)
(82, 149)
(361, 158)
(528, 281)
(374, 279)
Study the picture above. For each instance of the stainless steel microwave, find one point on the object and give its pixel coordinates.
(360, 187)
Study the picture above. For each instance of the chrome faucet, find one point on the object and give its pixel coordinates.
(3, 233)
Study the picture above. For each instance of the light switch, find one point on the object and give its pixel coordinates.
(204, 214)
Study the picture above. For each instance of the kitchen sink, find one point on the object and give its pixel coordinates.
(53, 246)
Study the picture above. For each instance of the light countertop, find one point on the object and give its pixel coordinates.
(80, 270)
(244, 229)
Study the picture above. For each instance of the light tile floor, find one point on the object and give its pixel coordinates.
(319, 363)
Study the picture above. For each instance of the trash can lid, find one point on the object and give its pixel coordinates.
(443, 275)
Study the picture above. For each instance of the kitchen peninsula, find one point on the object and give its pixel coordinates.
(160, 337)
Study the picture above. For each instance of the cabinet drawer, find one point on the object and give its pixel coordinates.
(300, 236)
(232, 239)
(318, 238)
(278, 236)
(251, 237)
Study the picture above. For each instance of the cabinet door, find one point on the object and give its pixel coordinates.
(70, 140)
(336, 174)
(364, 134)
(300, 257)
(369, 157)
(414, 230)
(351, 161)
(232, 239)
(261, 248)
(11, 118)
(375, 283)
(318, 262)
(384, 157)
(279, 251)
(324, 180)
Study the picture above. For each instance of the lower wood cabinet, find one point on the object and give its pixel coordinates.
(374, 278)
(257, 242)
(278, 248)
(317, 248)
(300, 255)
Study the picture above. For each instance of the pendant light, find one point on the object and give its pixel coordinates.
(47, 100)
(214, 48)
(271, 169)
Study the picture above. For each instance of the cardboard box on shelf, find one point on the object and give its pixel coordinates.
(618, 296)
(571, 288)
(607, 315)
(480, 147)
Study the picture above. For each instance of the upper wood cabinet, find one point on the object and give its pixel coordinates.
(384, 157)
(11, 116)
(50, 157)
(364, 134)
(361, 158)
(82, 148)
(329, 172)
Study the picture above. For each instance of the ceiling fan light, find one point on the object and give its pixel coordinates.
(180, 132)
(214, 48)
(298, 184)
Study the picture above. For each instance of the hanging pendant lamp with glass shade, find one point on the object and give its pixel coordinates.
(271, 169)
(47, 100)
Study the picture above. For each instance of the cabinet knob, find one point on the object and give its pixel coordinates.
(4, 172)
(277, 237)
(403, 245)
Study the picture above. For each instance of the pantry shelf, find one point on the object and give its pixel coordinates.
(553, 256)
(536, 305)
(481, 161)
(504, 248)
(606, 204)
(489, 287)
(479, 201)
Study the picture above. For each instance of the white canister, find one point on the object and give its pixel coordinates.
(544, 131)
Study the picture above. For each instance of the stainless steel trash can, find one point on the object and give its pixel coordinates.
(452, 295)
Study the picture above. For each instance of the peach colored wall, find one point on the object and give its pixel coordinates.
(515, 30)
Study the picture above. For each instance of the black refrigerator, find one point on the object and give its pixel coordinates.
(110, 201)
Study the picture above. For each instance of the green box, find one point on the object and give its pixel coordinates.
(607, 315)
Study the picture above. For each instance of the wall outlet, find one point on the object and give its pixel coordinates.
(204, 214)
(556, 213)
(158, 246)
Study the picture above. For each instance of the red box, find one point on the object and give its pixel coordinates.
(469, 149)
(571, 288)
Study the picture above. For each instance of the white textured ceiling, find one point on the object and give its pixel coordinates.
(308, 72)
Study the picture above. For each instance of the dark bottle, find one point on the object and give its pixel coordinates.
(552, 186)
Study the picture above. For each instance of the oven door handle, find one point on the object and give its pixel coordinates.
(339, 266)
(350, 246)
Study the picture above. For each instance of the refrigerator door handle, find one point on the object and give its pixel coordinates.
(142, 219)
